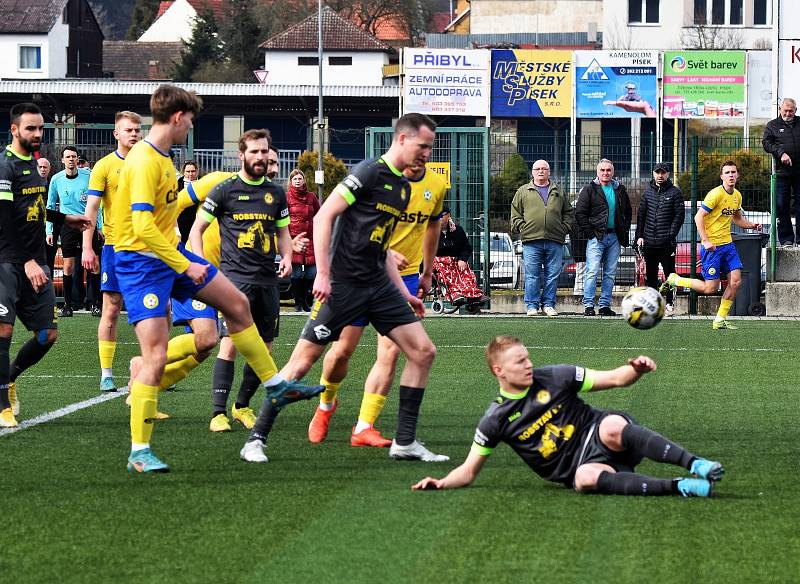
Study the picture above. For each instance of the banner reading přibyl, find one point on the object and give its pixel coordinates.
(616, 84)
(704, 84)
(535, 84)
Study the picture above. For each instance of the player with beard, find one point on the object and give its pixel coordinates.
(26, 290)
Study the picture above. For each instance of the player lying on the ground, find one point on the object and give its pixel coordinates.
(539, 414)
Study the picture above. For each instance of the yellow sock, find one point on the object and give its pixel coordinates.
(371, 407)
(180, 347)
(724, 309)
(250, 344)
(682, 281)
(178, 370)
(144, 399)
(106, 349)
(328, 396)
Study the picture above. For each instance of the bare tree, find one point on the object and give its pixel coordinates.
(711, 37)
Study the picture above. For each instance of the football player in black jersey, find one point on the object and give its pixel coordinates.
(539, 414)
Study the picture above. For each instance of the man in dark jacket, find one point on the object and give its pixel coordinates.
(658, 221)
(603, 215)
(782, 140)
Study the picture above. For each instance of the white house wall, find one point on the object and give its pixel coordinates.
(175, 24)
(518, 16)
(367, 69)
(53, 53)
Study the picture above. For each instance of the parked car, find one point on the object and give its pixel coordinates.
(504, 264)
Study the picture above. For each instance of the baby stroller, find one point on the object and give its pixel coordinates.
(451, 288)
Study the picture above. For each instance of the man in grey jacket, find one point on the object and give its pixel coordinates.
(542, 216)
(782, 140)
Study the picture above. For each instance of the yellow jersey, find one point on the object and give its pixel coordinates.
(103, 183)
(427, 199)
(195, 193)
(146, 210)
(721, 206)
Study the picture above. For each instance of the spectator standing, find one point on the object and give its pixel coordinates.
(658, 221)
(190, 172)
(603, 214)
(542, 216)
(303, 205)
(782, 140)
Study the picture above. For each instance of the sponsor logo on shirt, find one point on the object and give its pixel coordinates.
(543, 396)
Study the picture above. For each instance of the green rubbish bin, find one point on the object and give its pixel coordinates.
(748, 299)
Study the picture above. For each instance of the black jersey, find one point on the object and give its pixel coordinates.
(545, 425)
(249, 216)
(20, 183)
(378, 194)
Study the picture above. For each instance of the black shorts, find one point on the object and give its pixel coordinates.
(265, 306)
(382, 304)
(593, 450)
(72, 242)
(36, 310)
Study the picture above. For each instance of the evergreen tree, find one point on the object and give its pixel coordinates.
(241, 34)
(203, 49)
(144, 14)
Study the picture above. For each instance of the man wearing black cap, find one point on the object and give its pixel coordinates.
(660, 216)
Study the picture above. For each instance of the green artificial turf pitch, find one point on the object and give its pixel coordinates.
(332, 513)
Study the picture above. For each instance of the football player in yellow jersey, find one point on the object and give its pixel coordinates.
(413, 244)
(152, 268)
(720, 207)
(103, 189)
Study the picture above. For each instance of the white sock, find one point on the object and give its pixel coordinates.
(274, 380)
(106, 372)
(139, 446)
(361, 425)
(326, 407)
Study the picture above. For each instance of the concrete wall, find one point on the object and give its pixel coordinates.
(675, 28)
(510, 16)
(365, 70)
(175, 24)
(53, 51)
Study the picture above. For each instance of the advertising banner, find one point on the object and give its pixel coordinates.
(440, 168)
(759, 85)
(616, 84)
(531, 83)
(446, 82)
(704, 84)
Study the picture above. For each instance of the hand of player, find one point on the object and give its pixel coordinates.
(708, 245)
(35, 275)
(399, 259)
(197, 272)
(79, 222)
(425, 284)
(786, 159)
(49, 239)
(417, 305)
(285, 267)
(300, 242)
(89, 260)
(757, 227)
(427, 484)
(642, 364)
(640, 242)
(322, 287)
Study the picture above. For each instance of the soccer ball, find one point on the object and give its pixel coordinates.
(643, 308)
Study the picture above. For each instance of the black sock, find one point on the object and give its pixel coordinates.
(221, 381)
(5, 367)
(629, 483)
(410, 401)
(264, 422)
(67, 291)
(248, 388)
(29, 355)
(644, 442)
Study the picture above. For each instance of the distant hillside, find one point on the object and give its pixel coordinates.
(114, 17)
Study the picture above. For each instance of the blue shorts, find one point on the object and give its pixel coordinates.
(412, 285)
(185, 311)
(108, 277)
(148, 283)
(722, 260)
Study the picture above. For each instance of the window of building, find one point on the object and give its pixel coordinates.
(724, 12)
(643, 11)
(307, 61)
(30, 58)
(340, 61)
(762, 13)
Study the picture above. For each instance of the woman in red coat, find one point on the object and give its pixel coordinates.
(303, 205)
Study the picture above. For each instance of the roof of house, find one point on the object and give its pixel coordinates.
(139, 60)
(338, 34)
(30, 16)
(198, 5)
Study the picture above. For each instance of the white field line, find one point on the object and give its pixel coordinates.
(50, 416)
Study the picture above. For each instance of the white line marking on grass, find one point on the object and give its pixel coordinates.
(50, 416)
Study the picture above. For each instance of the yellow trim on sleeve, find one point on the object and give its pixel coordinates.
(206, 215)
(345, 193)
(482, 450)
(588, 380)
(283, 222)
